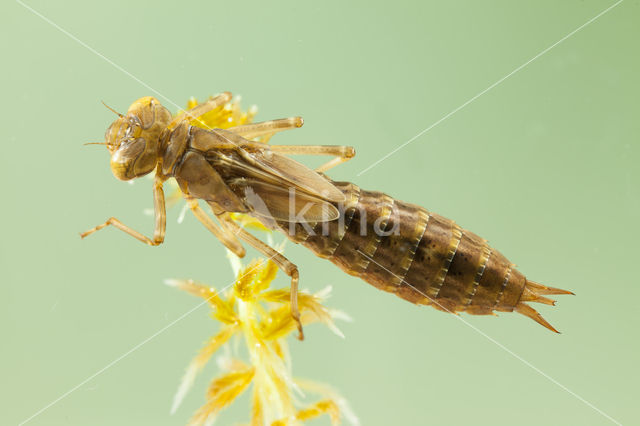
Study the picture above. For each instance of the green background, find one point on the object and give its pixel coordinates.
(544, 165)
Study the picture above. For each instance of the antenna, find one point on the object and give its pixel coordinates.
(112, 110)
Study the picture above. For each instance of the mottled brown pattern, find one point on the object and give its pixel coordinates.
(458, 285)
(428, 260)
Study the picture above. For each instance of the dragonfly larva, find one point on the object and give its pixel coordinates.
(395, 246)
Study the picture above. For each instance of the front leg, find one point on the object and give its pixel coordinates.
(201, 109)
(283, 263)
(160, 216)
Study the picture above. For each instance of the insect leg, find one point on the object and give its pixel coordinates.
(283, 263)
(228, 239)
(342, 153)
(266, 129)
(160, 216)
(201, 109)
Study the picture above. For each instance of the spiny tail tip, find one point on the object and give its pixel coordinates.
(543, 289)
(528, 311)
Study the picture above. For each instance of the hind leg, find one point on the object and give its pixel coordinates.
(342, 153)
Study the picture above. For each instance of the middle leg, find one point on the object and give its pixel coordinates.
(229, 240)
(283, 263)
(266, 129)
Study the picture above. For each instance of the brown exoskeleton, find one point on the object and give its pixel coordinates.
(396, 246)
(220, 167)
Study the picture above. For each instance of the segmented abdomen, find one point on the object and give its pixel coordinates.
(420, 256)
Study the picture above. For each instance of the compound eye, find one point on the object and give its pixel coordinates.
(134, 129)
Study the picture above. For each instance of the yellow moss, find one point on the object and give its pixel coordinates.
(223, 117)
(326, 406)
(249, 222)
(221, 393)
(260, 316)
